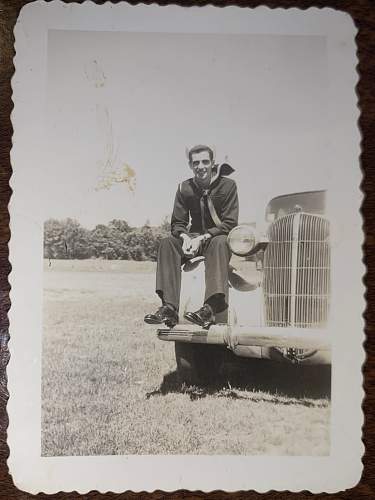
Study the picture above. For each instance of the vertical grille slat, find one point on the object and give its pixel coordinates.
(297, 272)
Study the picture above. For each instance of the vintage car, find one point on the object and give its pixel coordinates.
(278, 293)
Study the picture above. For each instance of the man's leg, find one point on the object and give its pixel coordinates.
(168, 271)
(217, 257)
(168, 282)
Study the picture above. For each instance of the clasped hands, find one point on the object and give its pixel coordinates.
(191, 246)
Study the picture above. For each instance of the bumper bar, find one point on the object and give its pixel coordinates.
(299, 338)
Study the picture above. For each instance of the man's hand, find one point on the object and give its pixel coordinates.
(191, 246)
(195, 244)
(186, 243)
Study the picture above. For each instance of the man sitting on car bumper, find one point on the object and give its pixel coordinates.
(210, 199)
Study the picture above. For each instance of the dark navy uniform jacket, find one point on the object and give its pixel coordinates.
(192, 211)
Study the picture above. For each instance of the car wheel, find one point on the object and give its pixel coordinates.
(198, 363)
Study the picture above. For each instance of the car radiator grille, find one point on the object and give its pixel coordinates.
(297, 272)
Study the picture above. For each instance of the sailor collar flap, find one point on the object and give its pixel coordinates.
(218, 171)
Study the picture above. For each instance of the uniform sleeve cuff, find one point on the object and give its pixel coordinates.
(214, 231)
(176, 233)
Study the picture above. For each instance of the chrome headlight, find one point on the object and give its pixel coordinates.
(242, 240)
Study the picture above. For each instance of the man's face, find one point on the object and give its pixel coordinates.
(201, 164)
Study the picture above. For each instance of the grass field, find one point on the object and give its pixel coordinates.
(109, 386)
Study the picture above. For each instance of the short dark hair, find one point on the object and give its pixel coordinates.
(198, 149)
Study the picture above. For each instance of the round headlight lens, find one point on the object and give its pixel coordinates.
(242, 239)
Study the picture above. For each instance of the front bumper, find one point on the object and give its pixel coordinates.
(259, 342)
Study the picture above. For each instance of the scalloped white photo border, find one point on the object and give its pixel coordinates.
(343, 467)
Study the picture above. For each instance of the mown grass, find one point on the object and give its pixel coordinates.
(110, 386)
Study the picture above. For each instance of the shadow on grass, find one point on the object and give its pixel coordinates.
(280, 382)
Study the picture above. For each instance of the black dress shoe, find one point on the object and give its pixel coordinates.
(165, 314)
(204, 317)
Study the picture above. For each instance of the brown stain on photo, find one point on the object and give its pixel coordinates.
(111, 171)
(124, 174)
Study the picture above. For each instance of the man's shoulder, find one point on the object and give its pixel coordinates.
(186, 187)
(227, 183)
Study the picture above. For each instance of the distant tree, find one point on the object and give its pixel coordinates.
(136, 253)
(54, 247)
(119, 229)
(102, 242)
(133, 245)
(165, 226)
(120, 225)
(76, 240)
(67, 239)
(147, 242)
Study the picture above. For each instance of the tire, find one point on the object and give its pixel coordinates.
(198, 364)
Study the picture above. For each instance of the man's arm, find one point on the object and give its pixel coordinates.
(229, 213)
(180, 215)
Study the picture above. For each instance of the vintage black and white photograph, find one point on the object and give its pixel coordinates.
(189, 236)
(193, 167)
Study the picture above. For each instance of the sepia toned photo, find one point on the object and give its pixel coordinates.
(190, 243)
(246, 238)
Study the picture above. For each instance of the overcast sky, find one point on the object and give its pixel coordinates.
(140, 99)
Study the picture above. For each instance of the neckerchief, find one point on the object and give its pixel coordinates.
(205, 197)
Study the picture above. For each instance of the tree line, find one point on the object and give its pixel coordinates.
(68, 239)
